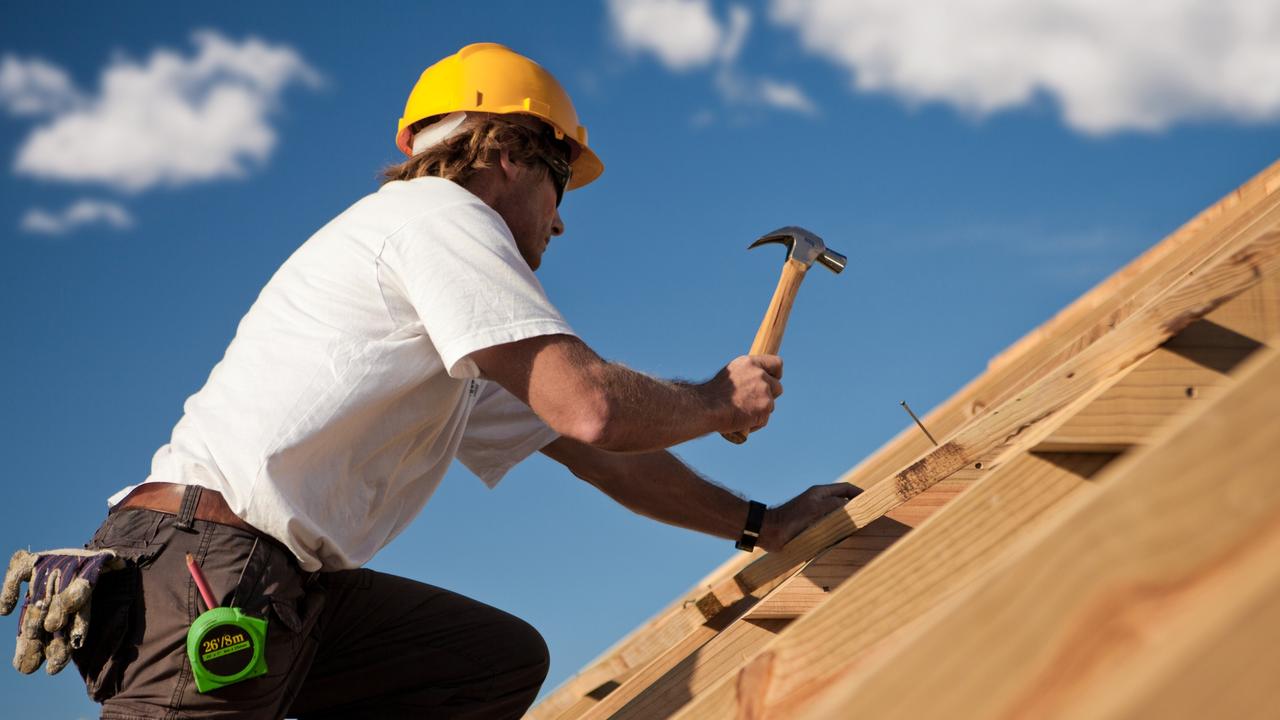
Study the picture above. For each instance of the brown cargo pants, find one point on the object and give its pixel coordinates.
(349, 644)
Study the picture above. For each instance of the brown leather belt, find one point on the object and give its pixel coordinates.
(167, 498)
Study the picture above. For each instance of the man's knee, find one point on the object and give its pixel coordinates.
(528, 649)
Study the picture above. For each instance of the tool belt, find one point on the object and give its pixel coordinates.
(170, 498)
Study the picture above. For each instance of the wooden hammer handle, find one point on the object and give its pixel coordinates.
(769, 336)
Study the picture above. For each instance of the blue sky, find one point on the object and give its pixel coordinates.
(980, 165)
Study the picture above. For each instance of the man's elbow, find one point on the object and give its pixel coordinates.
(595, 422)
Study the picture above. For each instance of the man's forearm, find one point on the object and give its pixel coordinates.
(610, 406)
(645, 413)
(657, 485)
(660, 486)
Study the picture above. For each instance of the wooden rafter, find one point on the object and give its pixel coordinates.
(1015, 495)
(1027, 418)
(580, 692)
(727, 638)
(1204, 264)
(1095, 614)
(966, 539)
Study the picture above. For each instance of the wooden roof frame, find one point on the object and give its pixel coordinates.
(1023, 403)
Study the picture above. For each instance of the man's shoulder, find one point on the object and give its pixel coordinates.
(426, 193)
(406, 205)
(435, 206)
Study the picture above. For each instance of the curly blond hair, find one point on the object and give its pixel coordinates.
(461, 156)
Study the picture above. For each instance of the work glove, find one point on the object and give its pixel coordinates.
(55, 614)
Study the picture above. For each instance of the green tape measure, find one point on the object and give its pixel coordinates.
(226, 646)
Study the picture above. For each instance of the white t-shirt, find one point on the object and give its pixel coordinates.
(347, 390)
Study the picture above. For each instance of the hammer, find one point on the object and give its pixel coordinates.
(803, 248)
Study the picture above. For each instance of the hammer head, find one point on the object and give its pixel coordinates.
(804, 247)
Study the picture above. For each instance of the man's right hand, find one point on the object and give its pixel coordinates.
(748, 386)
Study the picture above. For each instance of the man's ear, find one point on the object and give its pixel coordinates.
(507, 165)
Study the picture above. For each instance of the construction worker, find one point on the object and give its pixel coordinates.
(408, 331)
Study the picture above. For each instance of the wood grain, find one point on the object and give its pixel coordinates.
(719, 646)
(637, 649)
(1099, 594)
(1032, 414)
(938, 560)
(1197, 346)
(769, 336)
(1075, 328)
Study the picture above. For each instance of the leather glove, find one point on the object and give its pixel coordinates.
(55, 614)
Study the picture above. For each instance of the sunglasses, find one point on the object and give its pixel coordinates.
(558, 165)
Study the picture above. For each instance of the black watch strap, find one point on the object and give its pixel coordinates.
(751, 533)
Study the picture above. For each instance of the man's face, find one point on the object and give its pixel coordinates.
(531, 212)
(531, 198)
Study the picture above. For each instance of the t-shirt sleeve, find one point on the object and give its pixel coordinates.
(470, 286)
(501, 432)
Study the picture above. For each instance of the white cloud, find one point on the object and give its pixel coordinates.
(735, 34)
(680, 33)
(171, 120)
(1109, 65)
(34, 87)
(740, 89)
(785, 96)
(685, 35)
(80, 213)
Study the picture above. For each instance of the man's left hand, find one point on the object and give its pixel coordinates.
(789, 519)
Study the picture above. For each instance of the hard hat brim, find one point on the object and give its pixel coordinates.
(585, 169)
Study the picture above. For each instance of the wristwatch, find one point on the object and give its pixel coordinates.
(751, 533)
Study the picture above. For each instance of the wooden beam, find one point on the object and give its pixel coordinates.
(1191, 367)
(1032, 414)
(810, 587)
(937, 561)
(1225, 352)
(1172, 249)
(720, 644)
(1084, 321)
(689, 645)
(992, 439)
(1098, 372)
(730, 648)
(680, 628)
(1252, 318)
(1222, 663)
(637, 649)
(1069, 331)
(813, 584)
(1166, 384)
(1065, 335)
(1176, 531)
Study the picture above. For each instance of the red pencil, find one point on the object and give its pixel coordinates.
(201, 583)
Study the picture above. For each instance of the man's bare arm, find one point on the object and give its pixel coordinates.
(604, 404)
(658, 485)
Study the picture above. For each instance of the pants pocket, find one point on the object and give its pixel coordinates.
(134, 535)
(274, 589)
(113, 626)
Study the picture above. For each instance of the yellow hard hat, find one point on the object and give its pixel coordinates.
(491, 78)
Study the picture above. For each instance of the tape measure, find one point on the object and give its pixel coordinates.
(226, 646)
